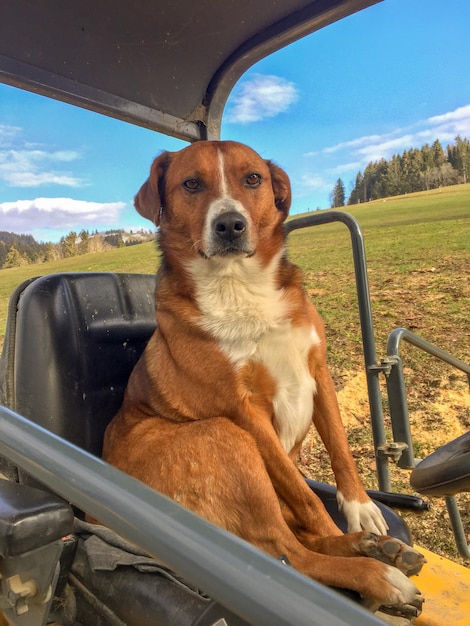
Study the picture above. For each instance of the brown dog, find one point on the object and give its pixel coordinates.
(217, 407)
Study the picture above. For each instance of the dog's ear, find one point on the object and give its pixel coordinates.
(149, 199)
(281, 188)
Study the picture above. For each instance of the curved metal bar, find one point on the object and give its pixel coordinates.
(397, 391)
(295, 25)
(402, 334)
(400, 417)
(35, 79)
(367, 327)
(254, 586)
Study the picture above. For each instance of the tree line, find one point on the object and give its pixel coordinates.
(16, 250)
(417, 169)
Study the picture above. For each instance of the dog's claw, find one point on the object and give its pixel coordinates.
(410, 610)
(393, 552)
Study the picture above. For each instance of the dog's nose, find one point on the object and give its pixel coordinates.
(230, 225)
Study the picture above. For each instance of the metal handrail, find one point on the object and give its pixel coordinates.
(396, 387)
(249, 583)
(399, 334)
(400, 416)
(367, 326)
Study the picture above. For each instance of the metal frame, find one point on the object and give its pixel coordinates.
(252, 585)
(372, 368)
(399, 415)
(397, 391)
(295, 26)
(401, 448)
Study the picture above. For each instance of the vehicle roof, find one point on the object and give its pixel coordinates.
(166, 65)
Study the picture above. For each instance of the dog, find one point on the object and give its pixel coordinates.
(216, 408)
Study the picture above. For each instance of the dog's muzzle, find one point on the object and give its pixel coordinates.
(229, 235)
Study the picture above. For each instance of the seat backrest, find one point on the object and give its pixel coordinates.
(71, 348)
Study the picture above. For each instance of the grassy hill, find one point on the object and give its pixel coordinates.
(418, 252)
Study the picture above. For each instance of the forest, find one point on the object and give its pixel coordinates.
(417, 169)
(17, 250)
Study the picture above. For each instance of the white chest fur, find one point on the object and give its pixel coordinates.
(243, 310)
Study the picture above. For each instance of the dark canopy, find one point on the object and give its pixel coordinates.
(168, 65)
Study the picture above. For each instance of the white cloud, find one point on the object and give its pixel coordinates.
(261, 97)
(362, 150)
(57, 213)
(344, 159)
(33, 179)
(8, 132)
(313, 181)
(354, 143)
(384, 146)
(26, 165)
(462, 114)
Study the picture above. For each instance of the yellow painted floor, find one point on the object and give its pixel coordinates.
(445, 586)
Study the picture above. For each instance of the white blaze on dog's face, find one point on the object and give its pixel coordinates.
(228, 227)
(222, 196)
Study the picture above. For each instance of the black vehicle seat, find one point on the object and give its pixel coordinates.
(77, 338)
(445, 472)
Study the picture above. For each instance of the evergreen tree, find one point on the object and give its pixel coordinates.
(13, 258)
(83, 244)
(374, 180)
(438, 154)
(394, 177)
(338, 195)
(355, 196)
(68, 244)
(459, 157)
(428, 164)
(414, 170)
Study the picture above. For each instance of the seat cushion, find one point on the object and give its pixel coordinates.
(446, 471)
(78, 337)
(30, 518)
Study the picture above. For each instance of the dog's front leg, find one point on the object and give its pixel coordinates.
(306, 507)
(360, 512)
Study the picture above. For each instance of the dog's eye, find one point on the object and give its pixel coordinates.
(192, 184)
(253, 180)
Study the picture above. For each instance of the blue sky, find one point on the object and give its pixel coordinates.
(391, 77)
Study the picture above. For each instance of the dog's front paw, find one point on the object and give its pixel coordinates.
(393, 552)
(362, 515)
(386, 586)
(407, 601)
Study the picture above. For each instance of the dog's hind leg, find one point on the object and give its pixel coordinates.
(214, 468)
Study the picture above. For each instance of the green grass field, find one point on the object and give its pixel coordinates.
(418, 252)
(401, 235)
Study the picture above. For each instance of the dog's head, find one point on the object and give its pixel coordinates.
(216, 199)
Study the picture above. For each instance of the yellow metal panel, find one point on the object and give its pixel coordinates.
(445, 586)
